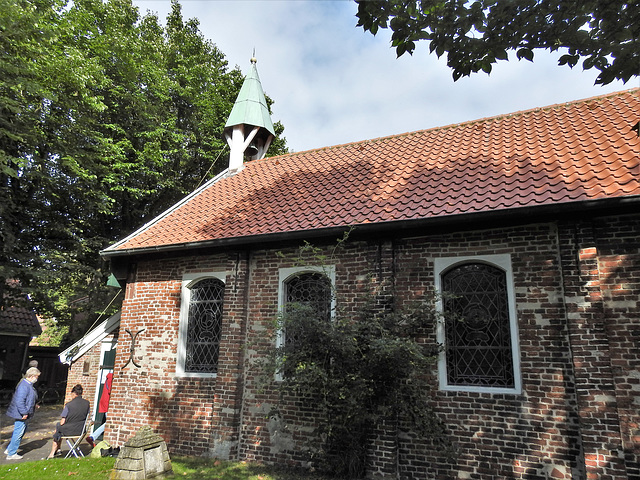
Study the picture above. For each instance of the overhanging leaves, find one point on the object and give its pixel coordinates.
(604, 34)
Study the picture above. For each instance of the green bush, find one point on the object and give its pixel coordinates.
(368, 366)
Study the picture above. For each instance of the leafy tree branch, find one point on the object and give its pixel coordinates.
(107, 118)
(603, 34)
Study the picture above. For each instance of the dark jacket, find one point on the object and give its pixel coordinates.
(75, 413)
(23, 401)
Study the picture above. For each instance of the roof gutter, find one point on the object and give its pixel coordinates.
(469, 220)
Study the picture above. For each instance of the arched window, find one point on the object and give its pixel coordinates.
(479, 333)
(201, 329)
(312, 289)
(477, 342)
(306, 285)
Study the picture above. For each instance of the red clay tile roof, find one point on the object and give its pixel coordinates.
(573, 152)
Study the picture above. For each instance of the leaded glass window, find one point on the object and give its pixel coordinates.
(478, 348)
(204, 326)
(311, 289)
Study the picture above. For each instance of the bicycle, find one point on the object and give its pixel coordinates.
(51, 394)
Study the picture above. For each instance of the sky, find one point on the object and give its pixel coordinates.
(333, 83)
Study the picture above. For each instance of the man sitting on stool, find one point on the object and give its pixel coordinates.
(73, 416)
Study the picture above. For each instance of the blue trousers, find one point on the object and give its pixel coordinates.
(98, 431)
(19, 427)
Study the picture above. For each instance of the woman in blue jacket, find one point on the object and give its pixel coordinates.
(21, 408)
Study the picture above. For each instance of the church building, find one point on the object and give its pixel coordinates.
(531, 219)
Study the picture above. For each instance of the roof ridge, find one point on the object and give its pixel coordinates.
(461, 124)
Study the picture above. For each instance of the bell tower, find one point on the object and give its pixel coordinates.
(249, 129)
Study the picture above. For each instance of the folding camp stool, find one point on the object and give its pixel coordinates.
(74, 441)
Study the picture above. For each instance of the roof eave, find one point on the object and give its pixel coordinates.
(514, 215)
(90, 339)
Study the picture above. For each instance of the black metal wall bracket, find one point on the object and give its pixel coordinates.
(132, 349)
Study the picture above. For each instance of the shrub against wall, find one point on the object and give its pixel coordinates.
(357, 369)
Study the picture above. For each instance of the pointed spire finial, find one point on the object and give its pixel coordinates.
(249, 129)
(254, 60)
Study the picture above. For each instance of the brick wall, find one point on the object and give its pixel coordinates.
(602, 283)
(576, 286)
(525, 435)
(84, 372)
(180, 409)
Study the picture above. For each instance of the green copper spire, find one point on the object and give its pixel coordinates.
(251, 106)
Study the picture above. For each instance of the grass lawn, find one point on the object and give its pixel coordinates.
(183, 467)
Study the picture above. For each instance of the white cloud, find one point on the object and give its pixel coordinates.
(333, 83)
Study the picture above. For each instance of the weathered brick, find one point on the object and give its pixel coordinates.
(577, 291)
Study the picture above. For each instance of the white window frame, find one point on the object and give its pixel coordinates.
(285, 274)
(502, 262)
(188, 281)
(107, 345)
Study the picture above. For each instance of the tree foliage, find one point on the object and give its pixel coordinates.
(605, 34)
(107, 118)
